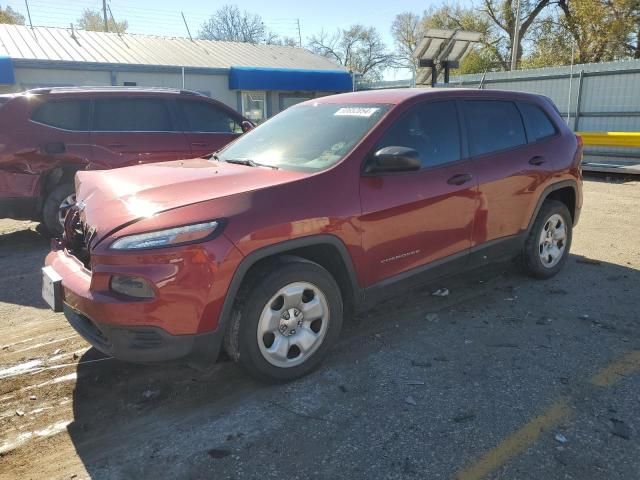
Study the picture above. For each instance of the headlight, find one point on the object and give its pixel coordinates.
(165, 238)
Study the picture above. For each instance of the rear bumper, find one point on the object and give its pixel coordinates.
(19, 208)
(144, 343)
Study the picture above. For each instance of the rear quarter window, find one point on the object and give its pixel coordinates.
(539, 125)
(493, 125)
(65, 114)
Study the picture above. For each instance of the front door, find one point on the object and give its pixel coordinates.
(413, 219)
(208, 127)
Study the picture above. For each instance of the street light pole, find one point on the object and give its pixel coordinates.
(516, 35)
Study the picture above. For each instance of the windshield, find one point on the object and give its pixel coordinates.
(306, 138)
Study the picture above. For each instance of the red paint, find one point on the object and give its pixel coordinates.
(389, 224)
(27, 171)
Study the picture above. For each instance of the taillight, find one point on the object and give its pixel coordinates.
(580, 141)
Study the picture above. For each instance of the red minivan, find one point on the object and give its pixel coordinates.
(331, 205)
(48, 134)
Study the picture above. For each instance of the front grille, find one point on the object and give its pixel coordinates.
(77, 237)
(144, 339)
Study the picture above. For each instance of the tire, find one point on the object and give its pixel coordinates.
(540, 258)
(55, 201)
(284, 295)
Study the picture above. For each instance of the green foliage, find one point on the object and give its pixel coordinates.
(93, 21)
(9, 15)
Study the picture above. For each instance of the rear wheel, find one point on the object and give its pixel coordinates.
(547, 246)
(56, 205)
(289, 321)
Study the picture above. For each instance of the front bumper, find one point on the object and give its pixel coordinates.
(144, 343)
(182, 320)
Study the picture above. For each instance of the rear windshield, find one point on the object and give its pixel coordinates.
(307, 138)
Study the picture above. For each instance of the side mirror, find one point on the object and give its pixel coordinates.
(247, 126)
(394, 159)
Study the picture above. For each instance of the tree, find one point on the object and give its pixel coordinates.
(601, 29)
(406, 31)
(229, 24)
(408, 28)
(93, 20)
(503, 16)
(9, 15)
(358, 48)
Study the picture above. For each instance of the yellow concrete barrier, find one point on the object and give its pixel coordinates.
(611, 139)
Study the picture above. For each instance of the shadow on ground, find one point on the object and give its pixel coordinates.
(126, 415)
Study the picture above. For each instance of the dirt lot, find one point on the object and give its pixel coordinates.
(506, 377)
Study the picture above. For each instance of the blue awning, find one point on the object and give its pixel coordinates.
(6, 71)
(250, 78)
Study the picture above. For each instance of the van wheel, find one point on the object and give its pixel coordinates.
(55, 207)
(547, 246)
(289, 320)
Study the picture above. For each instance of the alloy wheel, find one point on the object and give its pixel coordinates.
(293, 324)
(552, 242)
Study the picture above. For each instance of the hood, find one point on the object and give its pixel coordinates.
(110, 199)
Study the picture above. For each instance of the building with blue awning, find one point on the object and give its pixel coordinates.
(257, 80)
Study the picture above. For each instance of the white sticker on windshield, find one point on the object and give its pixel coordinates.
(356, 112)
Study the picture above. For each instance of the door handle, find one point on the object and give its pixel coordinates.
(116, 145)
(460, 179)
(537, 160)
(199, 144)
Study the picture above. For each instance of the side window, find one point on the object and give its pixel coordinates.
(493, 125)
(538, 124)
(66, 114)
(432, 129)
(132, 115)
(205, 117)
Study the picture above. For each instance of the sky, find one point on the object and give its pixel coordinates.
(162, 17)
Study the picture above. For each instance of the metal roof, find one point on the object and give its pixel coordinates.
(67, 45)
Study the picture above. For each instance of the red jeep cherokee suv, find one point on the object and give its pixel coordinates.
(320, 210)
(48, 134)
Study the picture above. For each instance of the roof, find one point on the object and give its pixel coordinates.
(396, 96)
(64, 45)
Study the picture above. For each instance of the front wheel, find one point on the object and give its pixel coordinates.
(56, 206)
(547, 246)
(290, 319)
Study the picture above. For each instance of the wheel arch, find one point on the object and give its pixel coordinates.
(326, 250)
(565, 191)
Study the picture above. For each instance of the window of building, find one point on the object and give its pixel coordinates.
(431, 129)
(205, 117)
(65, 114)
(493, 125)
(254, 106)
(132, 115)
(537, 122)
(287, 101)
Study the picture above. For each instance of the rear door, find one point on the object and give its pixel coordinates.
(413, 219)
(208, 127)
(132, 130)
(37, 134)
(510, 170)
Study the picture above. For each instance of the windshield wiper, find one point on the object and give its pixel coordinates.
(245, 161)
(242, 161)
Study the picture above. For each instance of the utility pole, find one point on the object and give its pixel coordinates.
(104, 15)
(28, 14)
(516, 36)
(190, 37)
(299, 33)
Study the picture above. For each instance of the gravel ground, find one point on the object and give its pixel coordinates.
(506, 378)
